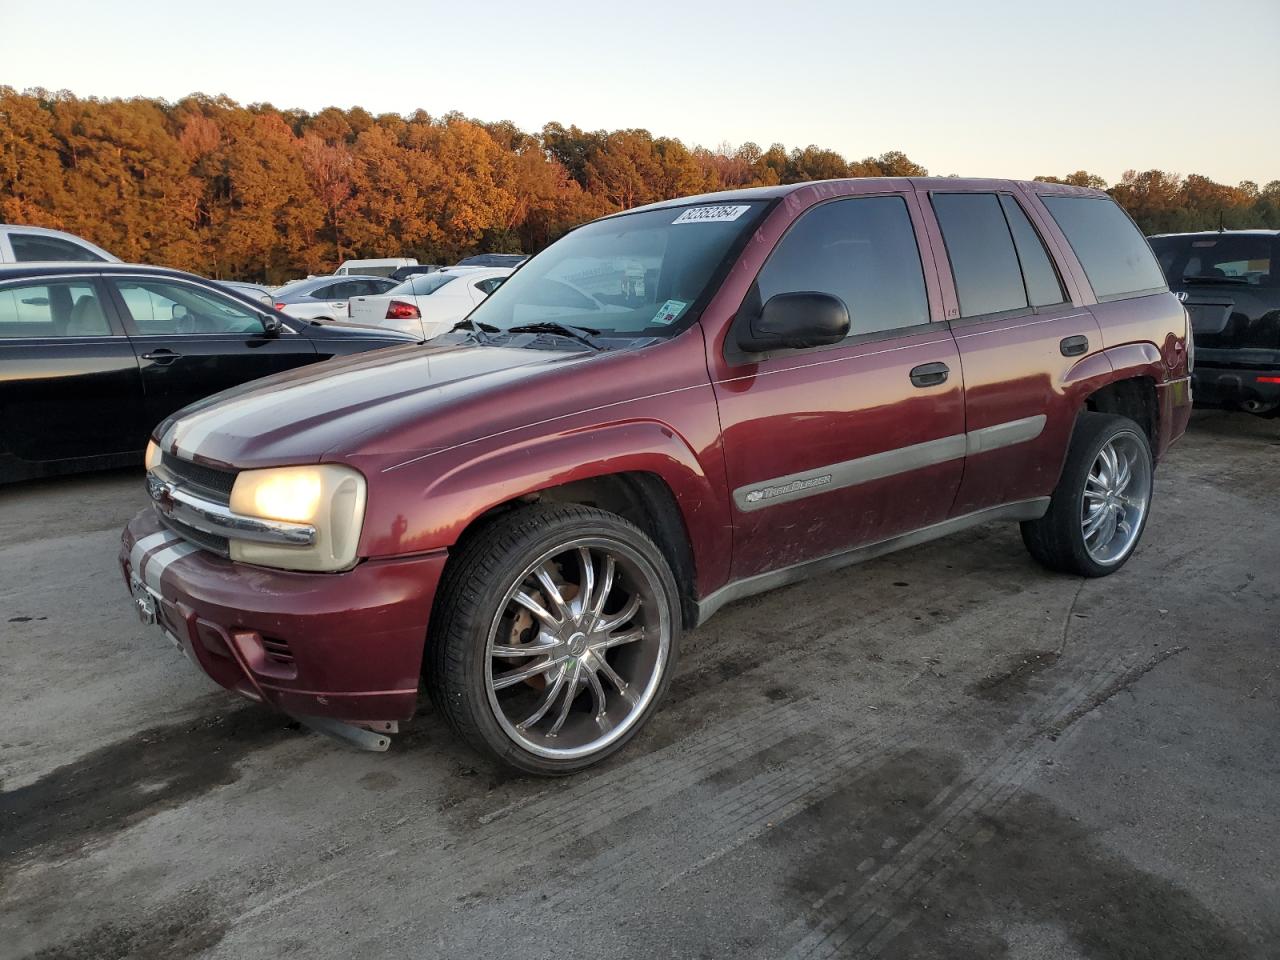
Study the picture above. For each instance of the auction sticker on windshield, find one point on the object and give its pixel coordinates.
(720, 213)
(669, 312)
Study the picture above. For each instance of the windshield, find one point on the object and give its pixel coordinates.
(1218, 258)
(637, 275)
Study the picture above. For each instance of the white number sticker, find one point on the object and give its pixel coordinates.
(720, 213)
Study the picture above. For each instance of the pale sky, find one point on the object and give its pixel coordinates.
(972, 87)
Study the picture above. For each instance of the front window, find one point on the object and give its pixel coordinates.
(1233, 259)
(162, 308)
(644, 274)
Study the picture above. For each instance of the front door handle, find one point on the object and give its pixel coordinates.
(1074, 346)
(930, 374)
(162, 357)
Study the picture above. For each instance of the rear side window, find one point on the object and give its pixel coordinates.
(980, 248)
(29, 247)
(1115, 256)
(60, 308)
(861, 250)
(1043, 286)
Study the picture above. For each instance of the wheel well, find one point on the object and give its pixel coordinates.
(644, 499)
(1134, 398)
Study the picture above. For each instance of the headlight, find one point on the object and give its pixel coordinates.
(152, 459)
(329, 497)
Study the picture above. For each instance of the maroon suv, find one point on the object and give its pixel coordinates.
(667, 410)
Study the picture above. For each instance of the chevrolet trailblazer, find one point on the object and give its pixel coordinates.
(667, 410)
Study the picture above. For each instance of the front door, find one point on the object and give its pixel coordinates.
(192, 342)
(834, 447)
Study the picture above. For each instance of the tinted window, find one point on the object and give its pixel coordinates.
(338, 291)
(862, 251)
(60, 308)
(1115, 256)
(983, 260)
(1225, 258)
(33, 246)
(425, 284)
(1043, 286)
(160, 307)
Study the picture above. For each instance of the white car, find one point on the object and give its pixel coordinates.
(431, 303)
(20, 244)
(325, 298)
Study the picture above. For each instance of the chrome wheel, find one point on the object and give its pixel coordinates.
(1117, 494)
(578, 648)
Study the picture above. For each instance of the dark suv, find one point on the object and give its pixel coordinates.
(665, 411)
(1229, 281)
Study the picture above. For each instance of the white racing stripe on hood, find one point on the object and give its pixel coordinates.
(191, 432)
(157, 563)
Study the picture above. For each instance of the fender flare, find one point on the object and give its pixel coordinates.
(430, 513)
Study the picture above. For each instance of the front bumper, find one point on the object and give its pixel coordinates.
(346, 646)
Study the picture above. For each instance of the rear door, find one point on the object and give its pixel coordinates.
(192, 341)
(1020, 331)
(831, 447)
(71, 386)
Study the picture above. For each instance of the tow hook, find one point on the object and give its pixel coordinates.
(374, 735)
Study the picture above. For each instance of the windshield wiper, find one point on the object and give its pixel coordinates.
(581, 334)
(1212, 279)
(478, 330)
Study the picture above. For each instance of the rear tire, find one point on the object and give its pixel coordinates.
(594, 602)
(1100, 506)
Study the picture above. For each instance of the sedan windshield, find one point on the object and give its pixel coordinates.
(644, 274)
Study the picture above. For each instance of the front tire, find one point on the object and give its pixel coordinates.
(1100, 506)
(554, 636)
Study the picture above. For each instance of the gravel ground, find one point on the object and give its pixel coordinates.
(945, 753)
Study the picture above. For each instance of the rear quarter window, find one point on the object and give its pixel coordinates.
(1116, 257)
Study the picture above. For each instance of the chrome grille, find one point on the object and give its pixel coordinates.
(207, 480)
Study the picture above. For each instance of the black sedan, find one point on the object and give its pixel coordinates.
(93, 355)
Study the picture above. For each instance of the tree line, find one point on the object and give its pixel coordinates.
(257, 193)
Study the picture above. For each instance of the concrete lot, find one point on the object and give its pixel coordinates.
(945, 753)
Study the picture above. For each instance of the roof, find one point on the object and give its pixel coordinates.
(47, 268)
(1218, 233)
(890, 183)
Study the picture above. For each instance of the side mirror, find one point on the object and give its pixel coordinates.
(271, 325)
(178, 312)
(796, 320)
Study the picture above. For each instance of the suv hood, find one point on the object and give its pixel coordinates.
(301, 415)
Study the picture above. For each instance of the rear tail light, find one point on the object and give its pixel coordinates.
(279, 306)
(399, 310)
(1269, 379)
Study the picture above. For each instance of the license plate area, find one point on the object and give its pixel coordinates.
(145, 603)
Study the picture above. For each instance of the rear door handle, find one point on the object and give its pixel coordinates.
(163, 356)
(930, 374)
(1074, 346)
